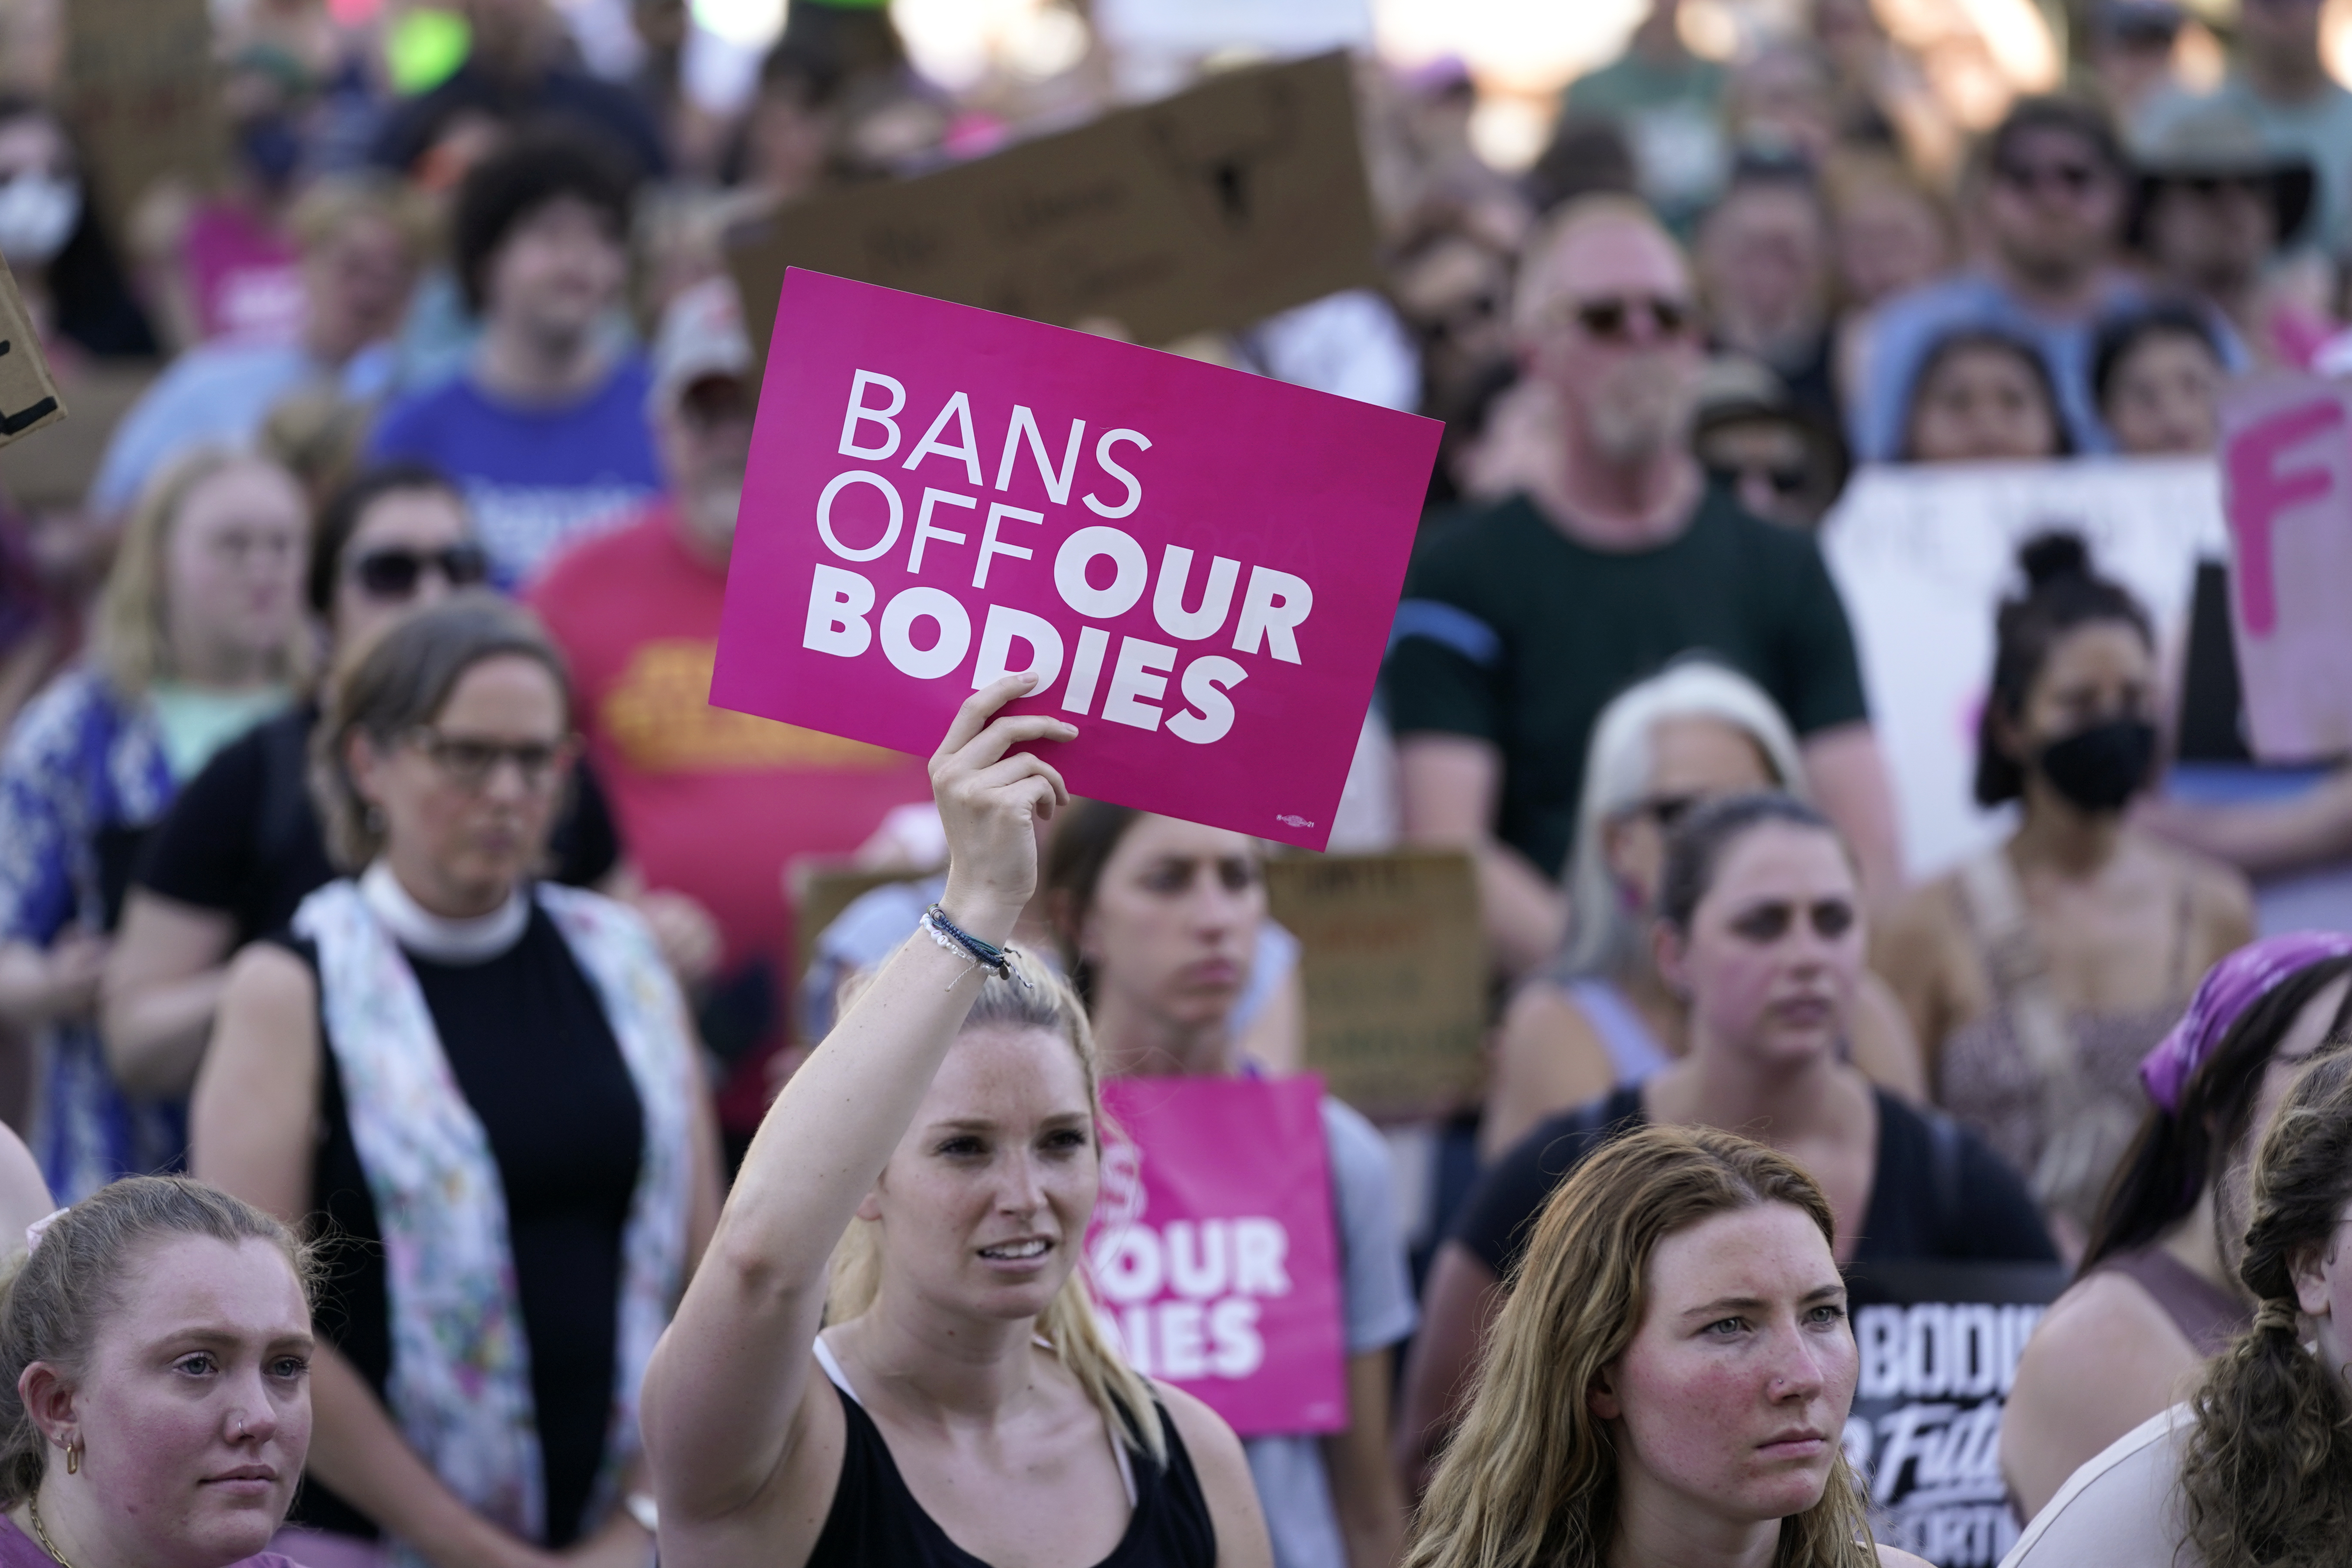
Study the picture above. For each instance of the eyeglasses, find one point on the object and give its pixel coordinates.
(392, 573)
(711, 402)
(469, 763)
(2068, 179)
(1610, 320)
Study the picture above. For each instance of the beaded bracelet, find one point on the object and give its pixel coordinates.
(955, 939)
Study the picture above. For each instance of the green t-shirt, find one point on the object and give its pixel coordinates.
(1514, 632)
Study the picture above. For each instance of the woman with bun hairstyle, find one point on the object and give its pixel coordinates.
(1670, 1379)
(155, 1350)
(2255, 1470)
(1760, 925)
(2159, 1295)
(2038, 974)
(889, 1354)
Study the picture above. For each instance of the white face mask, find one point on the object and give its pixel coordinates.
(37, 214)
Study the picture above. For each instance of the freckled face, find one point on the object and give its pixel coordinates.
(195, 1409)
(1732, 1397)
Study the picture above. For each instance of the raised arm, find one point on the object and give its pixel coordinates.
(724, 1402)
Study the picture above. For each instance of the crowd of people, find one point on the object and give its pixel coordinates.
(406, 983)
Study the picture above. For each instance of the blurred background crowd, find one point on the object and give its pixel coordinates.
(448, 306)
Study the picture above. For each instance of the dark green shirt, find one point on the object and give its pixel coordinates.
(1514, 632)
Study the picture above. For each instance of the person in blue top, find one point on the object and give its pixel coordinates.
(2052, 210)
(546, 430)
(199, 634)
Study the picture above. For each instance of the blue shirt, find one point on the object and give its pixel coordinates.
(1907, 329)
(535, 477)
(218, 393)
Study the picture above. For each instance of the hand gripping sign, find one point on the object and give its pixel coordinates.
(1200, 565)
(1212, 1251)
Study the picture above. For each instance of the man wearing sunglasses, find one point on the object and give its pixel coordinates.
(2216, 202)
(713, 805)
(2049, 200)
(1521, 621)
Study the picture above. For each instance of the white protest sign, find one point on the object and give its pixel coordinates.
(1923, 557)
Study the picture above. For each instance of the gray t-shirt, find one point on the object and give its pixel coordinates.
(1376, 1292)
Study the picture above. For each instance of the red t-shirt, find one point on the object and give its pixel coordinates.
(710, 803)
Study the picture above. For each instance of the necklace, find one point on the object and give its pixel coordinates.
(33, 1506)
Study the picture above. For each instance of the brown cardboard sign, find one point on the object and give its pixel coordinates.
(142, 95)
(1214, 209)
(28, 396)
(1395, 972)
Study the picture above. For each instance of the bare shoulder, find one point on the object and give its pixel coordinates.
(270, 987)
(1896, 1557)
(2219, 896)
(1206, 1437)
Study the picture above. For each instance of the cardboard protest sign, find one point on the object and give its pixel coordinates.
(1939, 1343)
(2286, 468)
(1213, 208)
(1199, 564)
(1212, 1251)
(1394, 970)
(1923, 557)
(28, 397)
(142, 95)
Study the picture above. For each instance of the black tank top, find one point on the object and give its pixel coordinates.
(876, 1522)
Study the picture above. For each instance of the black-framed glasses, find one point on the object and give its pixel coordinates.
(393, 572)
(469, 762)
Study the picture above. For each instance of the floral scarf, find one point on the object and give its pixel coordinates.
(459, 1386)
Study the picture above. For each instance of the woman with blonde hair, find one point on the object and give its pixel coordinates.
(199, 634)
(2255, 1470)
(1670, 1379)
(1601, 1017)
(931, 1388)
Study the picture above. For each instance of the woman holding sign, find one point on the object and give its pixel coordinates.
(960, 1402)
(1760, 924)
(1670, 1380)
(1160, 920)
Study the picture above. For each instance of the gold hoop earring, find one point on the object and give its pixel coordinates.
(73, 1458)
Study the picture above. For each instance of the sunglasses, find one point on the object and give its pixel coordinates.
(1611, 320)
(392, 573)
(1665, 810)
(2067, 179)
(1768, 922)
(469, 763)
(1784, 481)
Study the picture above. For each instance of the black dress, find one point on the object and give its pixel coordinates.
(529, 1044)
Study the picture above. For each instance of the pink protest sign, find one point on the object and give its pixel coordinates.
(1199, 564)
(2286, 477)
(1212, 1251)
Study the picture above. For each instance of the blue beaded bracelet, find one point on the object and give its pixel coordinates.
(955, 939)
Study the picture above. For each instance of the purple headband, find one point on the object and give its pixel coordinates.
(2229, 988)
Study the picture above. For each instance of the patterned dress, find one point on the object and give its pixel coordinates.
(83, 772)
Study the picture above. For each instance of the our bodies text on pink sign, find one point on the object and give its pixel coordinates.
(1202, 562)
(1213, 1254)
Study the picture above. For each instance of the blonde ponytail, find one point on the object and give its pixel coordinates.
(1033, 997)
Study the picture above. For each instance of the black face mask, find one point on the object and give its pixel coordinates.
(2099, 768)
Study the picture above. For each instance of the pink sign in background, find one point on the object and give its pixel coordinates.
(1212, 1251)
(2286, 478)
(1204, 563)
